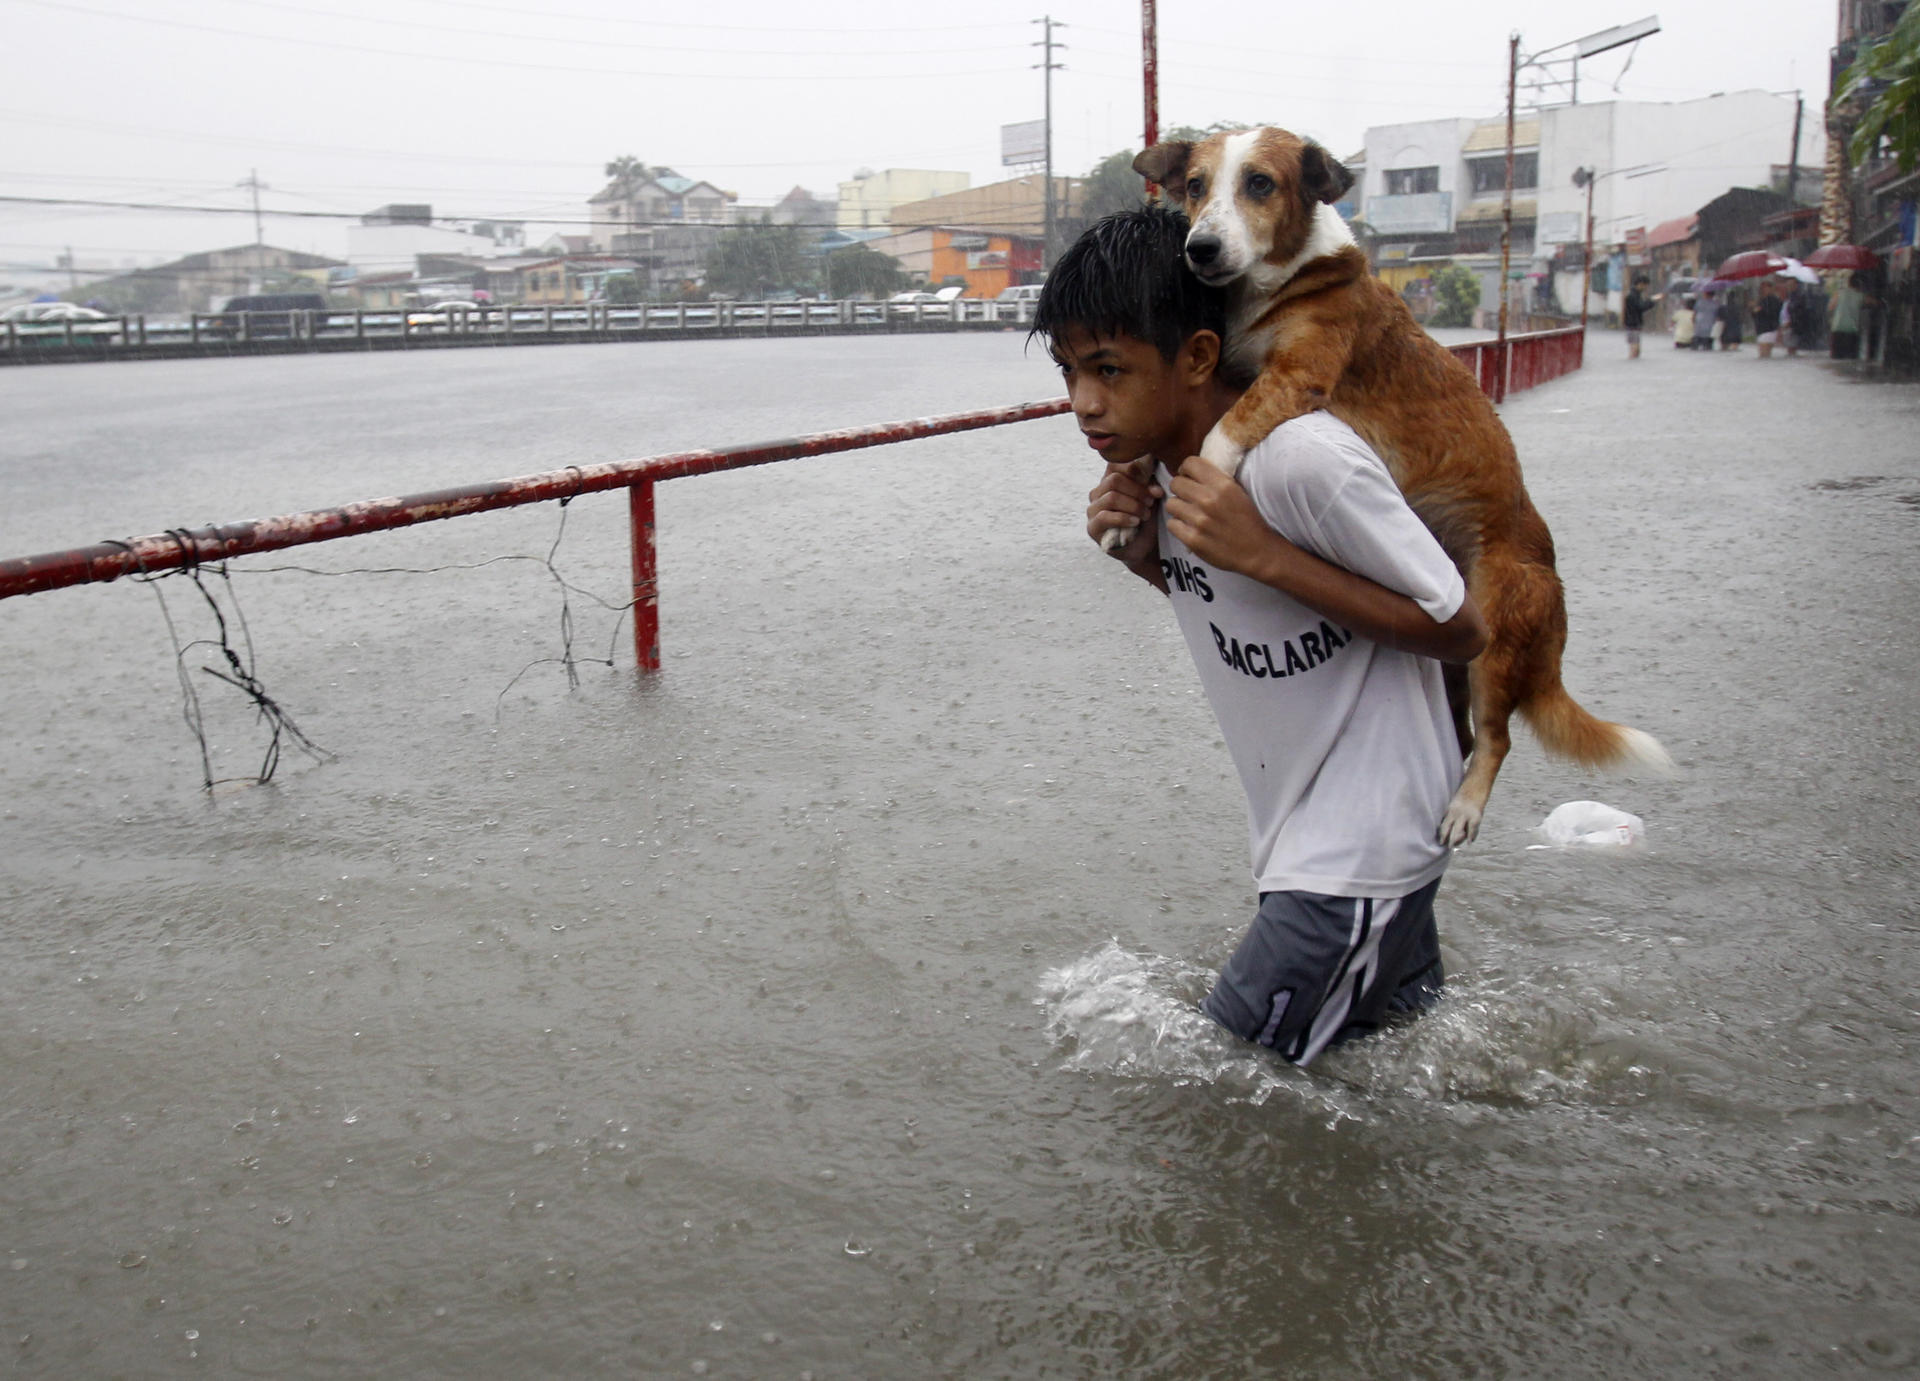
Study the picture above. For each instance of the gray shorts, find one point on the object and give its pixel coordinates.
(1314, 970)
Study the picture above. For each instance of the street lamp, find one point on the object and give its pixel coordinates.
(1585, 178)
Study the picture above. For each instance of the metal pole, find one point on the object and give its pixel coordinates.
(1150, 72)
(646, 585)
(178, 547)
(1586, 276)
(1506, 214)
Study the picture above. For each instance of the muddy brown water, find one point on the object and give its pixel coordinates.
(823, 1006)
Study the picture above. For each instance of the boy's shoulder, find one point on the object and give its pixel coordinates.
(1310, 457)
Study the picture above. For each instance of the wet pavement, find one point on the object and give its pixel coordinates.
(823, 1005)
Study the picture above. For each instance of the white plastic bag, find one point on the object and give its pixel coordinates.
(1591, 823)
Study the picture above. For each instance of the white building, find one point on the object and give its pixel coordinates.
(867, 202)
(1432, 188)
(391, 239)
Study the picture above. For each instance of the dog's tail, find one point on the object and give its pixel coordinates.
(1568, 731)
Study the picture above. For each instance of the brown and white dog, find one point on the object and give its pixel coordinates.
(1323, 333)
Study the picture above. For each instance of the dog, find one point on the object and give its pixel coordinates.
(1321, 332)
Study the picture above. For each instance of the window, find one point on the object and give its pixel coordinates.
(1490, 174)
(1412, 181)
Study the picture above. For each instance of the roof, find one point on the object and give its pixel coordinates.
(1674, 231)
(296, 259)
(1488, 138)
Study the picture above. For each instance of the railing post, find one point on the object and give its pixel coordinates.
(646, 585)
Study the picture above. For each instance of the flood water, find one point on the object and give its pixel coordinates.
(824, 1005)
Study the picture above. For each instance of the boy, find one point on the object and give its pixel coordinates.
(1312, 600)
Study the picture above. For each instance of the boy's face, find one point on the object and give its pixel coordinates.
(1126, 396)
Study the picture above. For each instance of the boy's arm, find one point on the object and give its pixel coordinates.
(1122, 500)
(1218, 521)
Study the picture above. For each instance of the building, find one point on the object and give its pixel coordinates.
(1433, 190)
(802, 208)
(203, 282)
(1872, 202)
(988, 237)
(667, 224)
(389, 239)
(868, 200)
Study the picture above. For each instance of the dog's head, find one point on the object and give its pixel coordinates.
(1252, 196)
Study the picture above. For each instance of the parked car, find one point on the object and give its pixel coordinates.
(914, 303)
(51, 311)
(266, 314)
(448, 316)
(1020, 292)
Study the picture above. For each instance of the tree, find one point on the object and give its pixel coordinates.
(857, 271)
(1886, 78)
(1456, 295)
(624, 289)
(627, 170)
(751, 261)
(1112, 185)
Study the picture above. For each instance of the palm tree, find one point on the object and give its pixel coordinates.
(626, 170)
(1886, 79)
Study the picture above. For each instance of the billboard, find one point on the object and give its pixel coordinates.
(1023, 143)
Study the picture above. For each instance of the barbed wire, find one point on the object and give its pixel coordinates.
(240, 671)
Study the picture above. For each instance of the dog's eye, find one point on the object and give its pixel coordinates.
(1195, 186)
(1259, 185)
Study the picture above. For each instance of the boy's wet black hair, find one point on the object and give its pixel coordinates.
(1127, 276)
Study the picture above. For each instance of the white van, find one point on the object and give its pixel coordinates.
(1024, 292)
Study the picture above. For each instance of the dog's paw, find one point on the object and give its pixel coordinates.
(1460, 824)
(1114, 540)
(1222, 452)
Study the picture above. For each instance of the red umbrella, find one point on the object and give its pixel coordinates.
(1842, 257)
(1753, 263)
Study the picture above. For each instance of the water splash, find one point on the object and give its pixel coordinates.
(1490, 1040)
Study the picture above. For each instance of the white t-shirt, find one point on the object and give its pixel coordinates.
(1346, 749)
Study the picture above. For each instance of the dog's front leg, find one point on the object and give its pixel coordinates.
(1302, 367)
(1115, 539)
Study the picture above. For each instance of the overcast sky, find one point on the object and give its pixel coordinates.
(500, 108)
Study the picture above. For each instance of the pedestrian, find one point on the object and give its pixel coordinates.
(1683, 323)
(1633, 315)
(1348, 758)
(1705, 313)
(1843, 319)
(1766, 321)
(1796, 320)
(1733, 314)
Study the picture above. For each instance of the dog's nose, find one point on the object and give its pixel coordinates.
(1203, 249)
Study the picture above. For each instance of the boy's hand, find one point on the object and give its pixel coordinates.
(1122, 499)
(1217, 519)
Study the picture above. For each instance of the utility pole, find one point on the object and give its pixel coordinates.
(259, 236)
(1793, 160)
(1150, 71)
(1506, 214)
(1048, 67)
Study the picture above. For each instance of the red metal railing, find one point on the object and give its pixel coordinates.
(103, 561)
(1524, 361)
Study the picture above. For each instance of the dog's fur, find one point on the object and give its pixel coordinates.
(1323, 333)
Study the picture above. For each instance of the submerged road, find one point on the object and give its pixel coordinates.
(823, 1006)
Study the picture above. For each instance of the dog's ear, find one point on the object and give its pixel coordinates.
(1322, 176)
(1165, 164)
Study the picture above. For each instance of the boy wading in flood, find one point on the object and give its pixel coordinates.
(1317, 608)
